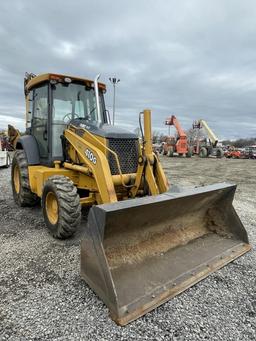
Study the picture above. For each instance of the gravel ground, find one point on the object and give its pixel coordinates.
(43, 298)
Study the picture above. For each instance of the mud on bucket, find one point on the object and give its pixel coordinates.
(137, 254)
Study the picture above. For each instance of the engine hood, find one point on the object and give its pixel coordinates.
(104, 130)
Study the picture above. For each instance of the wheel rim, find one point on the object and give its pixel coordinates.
(52, 210)
(16, 179)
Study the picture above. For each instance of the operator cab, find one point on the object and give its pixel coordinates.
(53, 101)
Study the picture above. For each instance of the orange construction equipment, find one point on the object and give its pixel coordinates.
(233, 153)
(180, 144)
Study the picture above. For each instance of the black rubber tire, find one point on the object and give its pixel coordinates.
(203, 152)
(25, 197)
(190, 152)
(219, 153)
(69, 208)
(170, 152)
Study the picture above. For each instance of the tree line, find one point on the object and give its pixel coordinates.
(240, 143)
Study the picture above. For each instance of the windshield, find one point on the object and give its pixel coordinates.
(70, 101)
(75, 100)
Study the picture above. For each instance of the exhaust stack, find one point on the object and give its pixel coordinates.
(96, 88)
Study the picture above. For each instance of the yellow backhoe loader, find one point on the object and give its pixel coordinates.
(143, 243)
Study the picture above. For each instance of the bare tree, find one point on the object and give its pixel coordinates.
(194, 134)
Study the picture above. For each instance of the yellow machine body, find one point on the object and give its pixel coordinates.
(89, 168)
(142, 244)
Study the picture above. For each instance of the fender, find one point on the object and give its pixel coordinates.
(29, 144)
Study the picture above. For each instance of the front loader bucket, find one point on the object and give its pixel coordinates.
(139, 253)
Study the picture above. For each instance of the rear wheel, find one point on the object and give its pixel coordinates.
(189, 152)
(219, 153)
(203, 152)
(170, 152)
(20, 181)
(61, 206)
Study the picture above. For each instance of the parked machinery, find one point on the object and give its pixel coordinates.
(141, 244)
(13, 136)
(5, 159)
(9, 138)
(250, 152)
(176, 145)
(234, 153)
(209, 145)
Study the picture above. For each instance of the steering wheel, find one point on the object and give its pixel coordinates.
(68, 117)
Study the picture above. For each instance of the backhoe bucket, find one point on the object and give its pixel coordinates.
(139, 253)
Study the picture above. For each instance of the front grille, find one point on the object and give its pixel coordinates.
(127, 151)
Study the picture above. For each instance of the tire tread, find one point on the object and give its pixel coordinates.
(69, 206)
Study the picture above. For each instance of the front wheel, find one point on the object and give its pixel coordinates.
(189, 152)
(203, 152)
(219, 153)
(170, 152)
(61, 206)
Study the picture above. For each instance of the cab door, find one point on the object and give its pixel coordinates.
(40, 116)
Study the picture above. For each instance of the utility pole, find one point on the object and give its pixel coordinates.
(114, 81)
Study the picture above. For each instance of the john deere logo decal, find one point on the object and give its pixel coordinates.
(89, 154)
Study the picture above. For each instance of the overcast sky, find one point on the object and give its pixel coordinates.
(195, 58)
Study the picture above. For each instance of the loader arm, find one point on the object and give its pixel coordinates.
(97, 162)
(149, 164)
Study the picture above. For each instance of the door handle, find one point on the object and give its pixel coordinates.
(45, 135)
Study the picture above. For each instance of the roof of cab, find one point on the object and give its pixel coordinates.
(48, 76)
